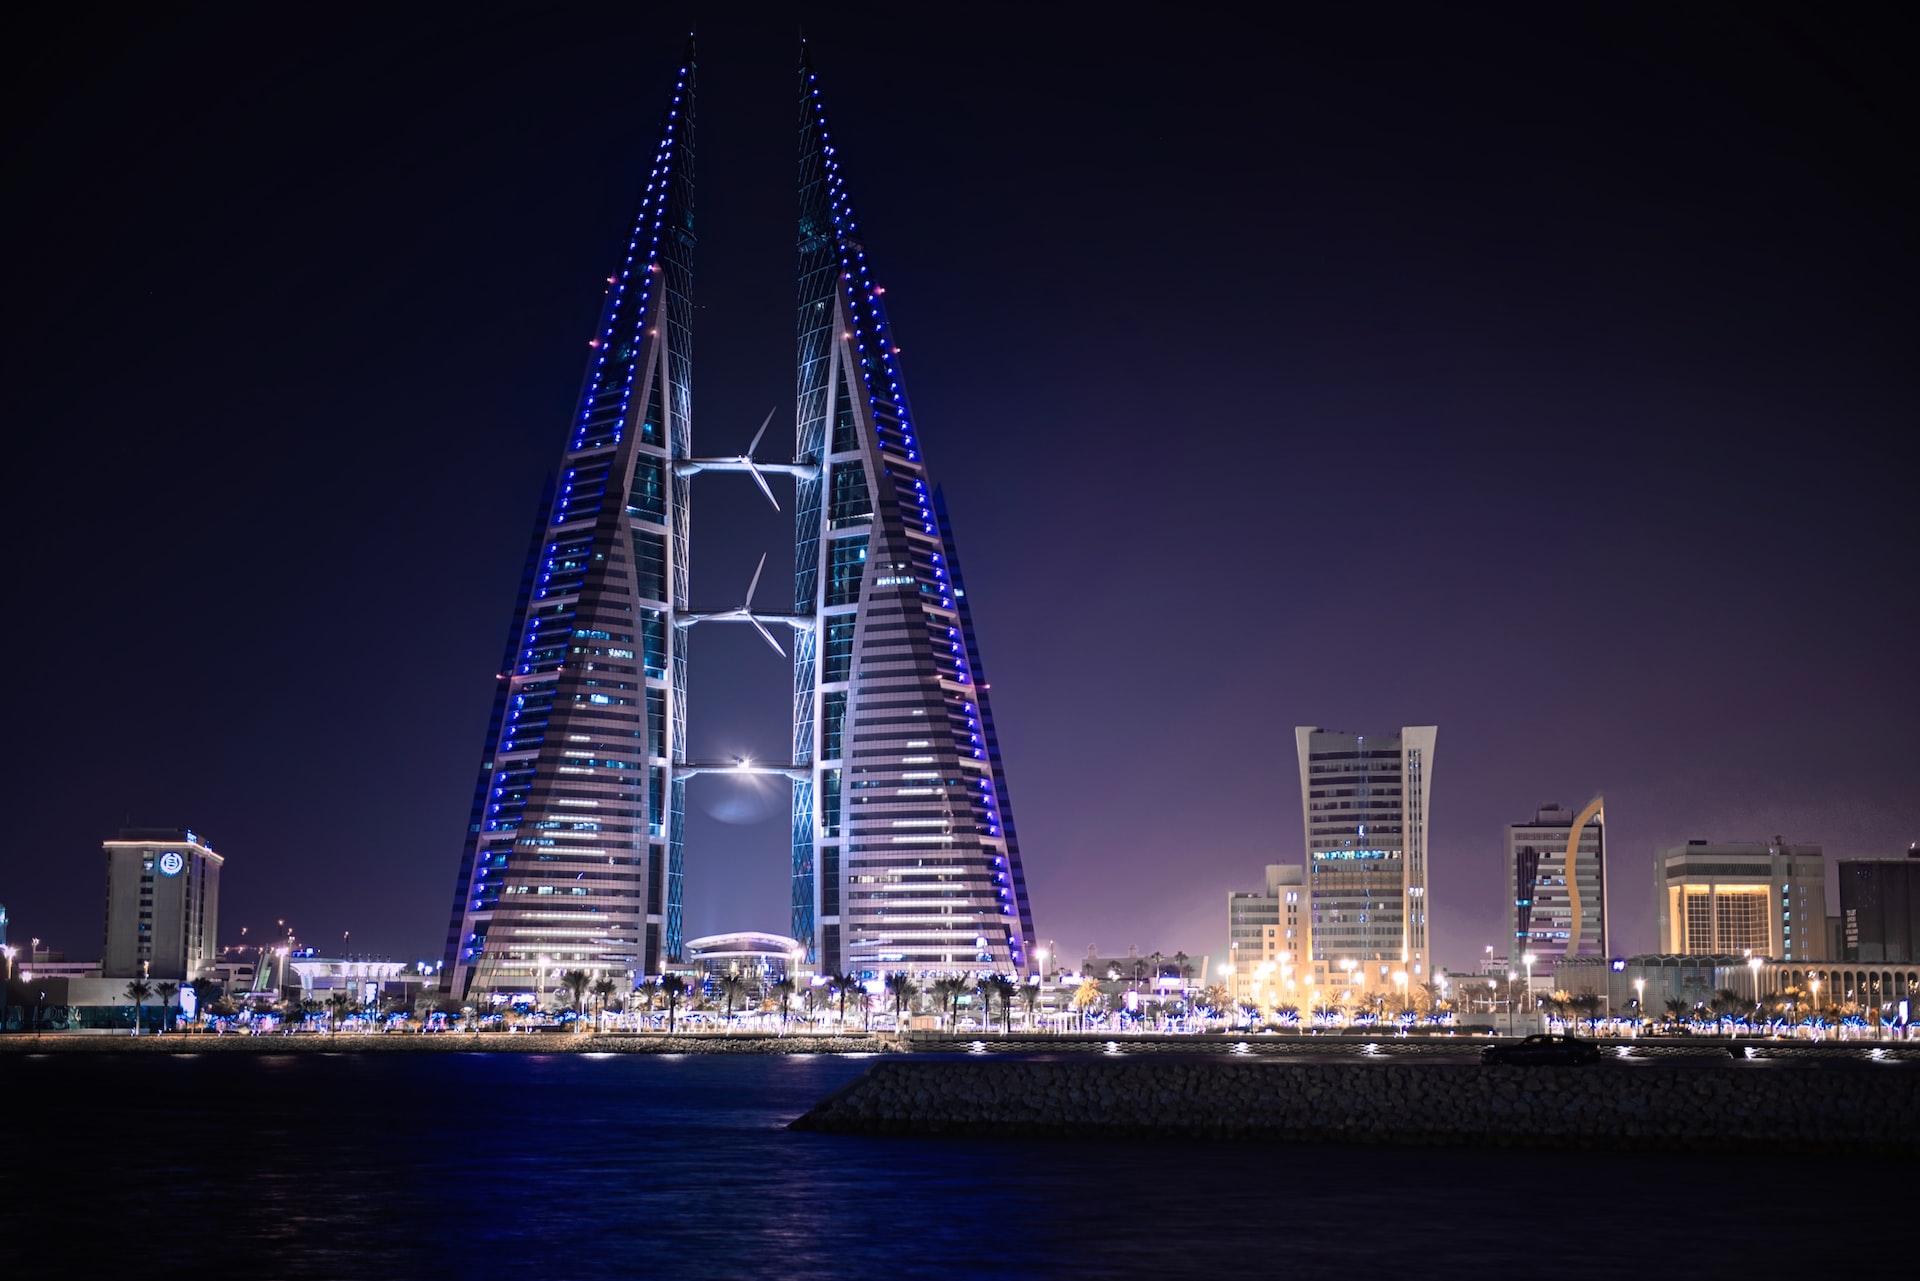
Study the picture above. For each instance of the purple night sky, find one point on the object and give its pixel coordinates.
(1532, 374)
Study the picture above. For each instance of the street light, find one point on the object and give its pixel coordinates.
(1529, 959)
(1640, 997)
(1512, 976)
(1753, 965)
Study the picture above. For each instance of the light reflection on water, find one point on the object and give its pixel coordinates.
(638, 1166)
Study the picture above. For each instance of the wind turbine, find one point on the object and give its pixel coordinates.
(753, 470)
(745, 610)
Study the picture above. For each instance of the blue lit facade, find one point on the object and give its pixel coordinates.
(904, 855)
(574, 847)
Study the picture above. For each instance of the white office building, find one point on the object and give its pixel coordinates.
(1365, 800)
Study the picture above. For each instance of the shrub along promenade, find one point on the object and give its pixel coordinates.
(1859, 1107)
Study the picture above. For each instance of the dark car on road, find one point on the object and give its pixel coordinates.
(1543, 1048)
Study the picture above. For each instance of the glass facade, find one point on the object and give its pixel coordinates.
(569, 861)
(1556, 913)
(906, 858)
(1364, 798)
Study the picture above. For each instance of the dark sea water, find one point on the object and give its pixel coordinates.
(506, 1165)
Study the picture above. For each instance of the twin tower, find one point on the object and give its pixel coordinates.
(904, 855)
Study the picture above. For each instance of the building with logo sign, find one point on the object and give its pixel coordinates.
(163, 904)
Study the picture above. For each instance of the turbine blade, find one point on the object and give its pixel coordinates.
(763, 431)
(766, 635)
(761, 481)
(747, 607)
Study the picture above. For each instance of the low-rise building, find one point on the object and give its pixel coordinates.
(761, 959)
(1265, 928)
(1728, 899)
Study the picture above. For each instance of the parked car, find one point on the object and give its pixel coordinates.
(1563, 1049)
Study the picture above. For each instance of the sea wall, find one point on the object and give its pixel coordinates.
(1865, 1108)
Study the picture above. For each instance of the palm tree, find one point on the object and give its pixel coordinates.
(138, 991)
(946, 997)
(783, 992)
(673, 987)
(1007, 988)
(902, 988)
(167, 992)
(337, 1006)
(576, 983)
(845, 985)
(1030, 997)
(733, 988)
(603, 990)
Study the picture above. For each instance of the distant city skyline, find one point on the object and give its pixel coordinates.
(1481, 374)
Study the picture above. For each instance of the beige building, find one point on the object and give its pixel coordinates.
(1735, 899)
(163, 905)
(1267, 937)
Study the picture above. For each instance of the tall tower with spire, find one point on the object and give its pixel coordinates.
(904, 856)
(572, 856)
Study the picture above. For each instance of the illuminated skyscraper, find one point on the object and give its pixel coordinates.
(1557, 871)
(1365, 799)
(573, 850)
(904, 853)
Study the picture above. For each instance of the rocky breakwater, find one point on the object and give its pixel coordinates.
(1859, 1109)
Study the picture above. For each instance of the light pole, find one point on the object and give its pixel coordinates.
(1640, 997)
(1753, 967)
(1529, 959)
(1513, 976)
(1400, 981)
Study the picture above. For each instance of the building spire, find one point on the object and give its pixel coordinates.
(940, 885)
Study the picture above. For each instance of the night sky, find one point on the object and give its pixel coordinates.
(1538, 375)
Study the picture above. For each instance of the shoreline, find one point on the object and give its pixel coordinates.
(1165, 1048)
(445, 1043)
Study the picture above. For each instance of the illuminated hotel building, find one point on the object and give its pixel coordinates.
(904, 855)
(904, 852)
(1557, 870)
(572, 853)
(1722, 900)
(163, 905)
(1365, 799)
